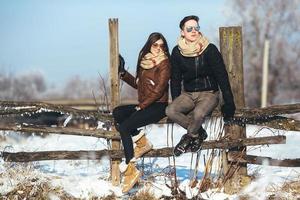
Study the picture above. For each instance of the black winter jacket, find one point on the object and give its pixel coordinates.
(202, 73)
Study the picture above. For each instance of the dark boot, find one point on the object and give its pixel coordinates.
(198, 140)
(183, 145)
(202, 133)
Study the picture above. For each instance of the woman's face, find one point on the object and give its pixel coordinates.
(190, 30)
(157, 47)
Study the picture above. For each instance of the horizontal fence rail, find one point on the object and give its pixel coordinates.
(98, 133)
(260, 160)
(256, 116)
(163, 152)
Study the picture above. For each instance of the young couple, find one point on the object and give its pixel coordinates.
(194, 62)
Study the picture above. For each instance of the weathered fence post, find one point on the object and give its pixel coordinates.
(231, 47)
(114, 88)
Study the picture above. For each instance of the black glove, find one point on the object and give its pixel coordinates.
(121, 69)
(228, 111)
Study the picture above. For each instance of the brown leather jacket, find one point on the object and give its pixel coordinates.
(152, 84)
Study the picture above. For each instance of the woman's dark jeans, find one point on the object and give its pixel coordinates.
(128, 119)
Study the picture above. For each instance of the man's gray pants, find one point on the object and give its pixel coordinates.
(190, 109)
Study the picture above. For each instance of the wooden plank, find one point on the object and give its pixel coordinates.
(268, 111)
(261, 160)
(115, 90)
(231, 47)
(18, 107)
(99, 133)
(117, 154)
(8, 125)
(277, 122)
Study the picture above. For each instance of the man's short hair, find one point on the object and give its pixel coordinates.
(187, 18)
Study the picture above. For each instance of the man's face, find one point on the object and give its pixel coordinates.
(190, 30)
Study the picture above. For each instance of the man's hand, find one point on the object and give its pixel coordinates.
(228, 111)
(121, 69)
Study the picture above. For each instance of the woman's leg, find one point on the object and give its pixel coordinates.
(121, 113)
(138, 119)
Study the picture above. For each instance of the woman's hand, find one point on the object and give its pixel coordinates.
(137, 108)
(121, 69)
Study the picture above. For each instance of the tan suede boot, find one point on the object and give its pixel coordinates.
(131, 176)
(143, 145)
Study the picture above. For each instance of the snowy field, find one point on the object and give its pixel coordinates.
(83, 179)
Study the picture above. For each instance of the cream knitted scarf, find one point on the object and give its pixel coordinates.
(192, 49)
(150, 60)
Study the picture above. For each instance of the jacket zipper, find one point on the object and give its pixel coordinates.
(202, 64)
(197, 78)
(209, 84)
(205, 83)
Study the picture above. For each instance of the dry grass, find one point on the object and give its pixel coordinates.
(36, 190)
(43, 191)
(205, 185)
(37, 187)
(109, 197)
(270, 197)
(30, 186)
(144, 194)
(292, 187)
(288, 191)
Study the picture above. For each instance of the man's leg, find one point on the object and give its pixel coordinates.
(177, 111)
(205, 104)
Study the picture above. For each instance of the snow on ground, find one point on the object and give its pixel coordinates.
(91, 178)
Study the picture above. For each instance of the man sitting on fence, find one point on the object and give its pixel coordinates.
(199, 65)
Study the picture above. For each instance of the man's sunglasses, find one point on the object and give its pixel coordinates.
(190, 28)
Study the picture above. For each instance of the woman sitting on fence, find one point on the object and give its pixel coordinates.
(151, 82)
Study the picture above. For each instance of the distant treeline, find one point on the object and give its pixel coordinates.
(32, 86)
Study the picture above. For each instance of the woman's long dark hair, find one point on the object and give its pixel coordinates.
(153, 37)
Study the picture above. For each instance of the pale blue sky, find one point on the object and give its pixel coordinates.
(63, 38)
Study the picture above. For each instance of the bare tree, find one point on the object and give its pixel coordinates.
(104, 90)
(33, 86)
(278, 21)
(77, 88)
(129, 94)
(29, 86)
